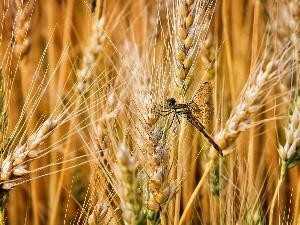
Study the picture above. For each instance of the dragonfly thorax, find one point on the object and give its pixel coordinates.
(171, 103)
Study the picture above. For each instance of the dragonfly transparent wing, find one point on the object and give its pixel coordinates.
(202, 94)
(203, 113)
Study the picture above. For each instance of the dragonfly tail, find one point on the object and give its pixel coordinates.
(219, 150)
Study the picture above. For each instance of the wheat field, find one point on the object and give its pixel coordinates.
(95, 124)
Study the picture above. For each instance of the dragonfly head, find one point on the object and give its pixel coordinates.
(171, 103)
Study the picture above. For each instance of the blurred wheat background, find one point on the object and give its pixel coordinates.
(84, 139)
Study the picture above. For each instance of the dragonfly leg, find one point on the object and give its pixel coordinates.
(170, 123)
(161, 107)
(168, 112)
(178, 120)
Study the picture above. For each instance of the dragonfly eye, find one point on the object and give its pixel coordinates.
(171, 102)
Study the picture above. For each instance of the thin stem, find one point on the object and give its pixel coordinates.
(179, 174)
(280, 182)
(196, 191)
(295, 221)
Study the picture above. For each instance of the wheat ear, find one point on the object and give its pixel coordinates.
(250, 101)
(15, 165)
(185, 42)
(157, 164)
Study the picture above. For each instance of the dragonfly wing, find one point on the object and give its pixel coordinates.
(202, 94)
(203, 113)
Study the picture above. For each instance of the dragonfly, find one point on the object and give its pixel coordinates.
(197, 111)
